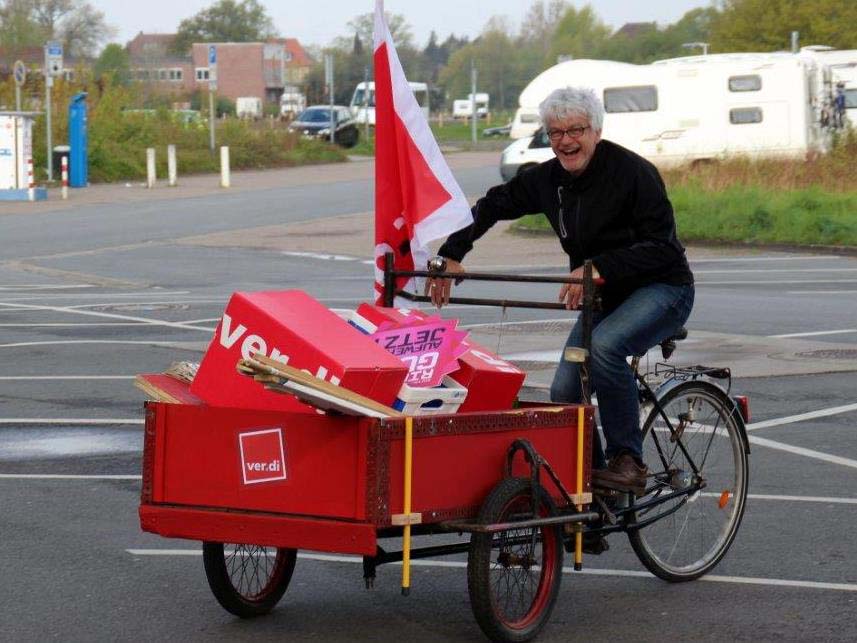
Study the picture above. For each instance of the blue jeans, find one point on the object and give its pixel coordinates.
(650, 315)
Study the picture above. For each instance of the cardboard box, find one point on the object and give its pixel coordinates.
(492, 383)
(291, 327)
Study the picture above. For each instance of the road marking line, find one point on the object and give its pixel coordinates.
(820, 499)
(73, 324)
(23, 287)
(72, 421)
(749, 282)
(743, 580)
(95, 313)
(815, 333)
(62, 476)
(819, 292)
(201, 321)
(796, 258)
(320, 255)
(93, 295)
(800, 417)
(147, 303)
(809, 453)
(769, 270)
(92, 341)
(29, 378)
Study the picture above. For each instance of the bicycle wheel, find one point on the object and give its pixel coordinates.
(691, 533)
(248, 580)
(513, 576)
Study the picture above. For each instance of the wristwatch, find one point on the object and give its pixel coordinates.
(437, 264)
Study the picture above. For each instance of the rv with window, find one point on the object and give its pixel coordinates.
(697, 107)
(363, 100)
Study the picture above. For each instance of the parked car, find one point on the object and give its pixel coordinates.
(502, 130)
(525, 153)
(314, 122)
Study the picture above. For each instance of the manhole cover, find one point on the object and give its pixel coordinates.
(842, 353)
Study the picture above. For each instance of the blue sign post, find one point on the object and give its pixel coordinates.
(78, 142)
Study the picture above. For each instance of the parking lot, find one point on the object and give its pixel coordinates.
(89, 298)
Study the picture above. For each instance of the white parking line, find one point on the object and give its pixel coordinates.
(48, 378)
(95, 313)
(71, 421)
(800, 417)
(809, 453)
(769, 270)
(749, 282)
(145, 293)
(815, 333)
(712, 578)
(62, 476)
(74, 324)
(25, 287)
(756, 259)
(95, 341)
(819, 292)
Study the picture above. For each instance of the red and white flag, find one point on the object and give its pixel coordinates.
(417, 200)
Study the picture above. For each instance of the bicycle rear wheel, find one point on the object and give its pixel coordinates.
(690, 534)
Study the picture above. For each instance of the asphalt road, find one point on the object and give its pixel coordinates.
(92, 295)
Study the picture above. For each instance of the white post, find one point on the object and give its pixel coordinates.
(31, 183)
(172, 179)
(224, 166)
(150, 167)
(65, 178)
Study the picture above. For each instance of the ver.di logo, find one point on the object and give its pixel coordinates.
(263, 457)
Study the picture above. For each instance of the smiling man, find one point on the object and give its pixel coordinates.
(607, 204)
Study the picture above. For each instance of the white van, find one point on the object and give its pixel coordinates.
(363, 100)
(292, 102)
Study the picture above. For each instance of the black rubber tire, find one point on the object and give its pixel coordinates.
(722, 502)
(509, 500)
(269, 578)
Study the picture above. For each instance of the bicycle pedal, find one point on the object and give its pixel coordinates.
(593, 546)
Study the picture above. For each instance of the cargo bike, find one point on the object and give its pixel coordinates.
(517, 482)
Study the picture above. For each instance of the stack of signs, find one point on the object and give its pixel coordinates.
(292, 328)
(492, 383)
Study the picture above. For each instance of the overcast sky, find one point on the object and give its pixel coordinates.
(320, 21)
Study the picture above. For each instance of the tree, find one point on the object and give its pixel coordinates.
(540, 23)
(18, 29)
(225, 21)
(766, 25)
(79, 25)
(364, 26)
(580, 34)
(113, 63)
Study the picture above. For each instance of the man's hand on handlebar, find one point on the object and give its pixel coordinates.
(439, 289)
(572, 294)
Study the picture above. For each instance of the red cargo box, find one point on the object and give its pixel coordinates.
(294, 328)
(329, 483)
(492, 383)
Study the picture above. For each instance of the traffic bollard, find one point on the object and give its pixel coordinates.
(150, 167)
(224, 166)
(172, 179)
(64, 165)
(31, 183)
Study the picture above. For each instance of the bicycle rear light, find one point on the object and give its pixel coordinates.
(743, 404)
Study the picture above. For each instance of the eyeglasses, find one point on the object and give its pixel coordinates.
(573, 132)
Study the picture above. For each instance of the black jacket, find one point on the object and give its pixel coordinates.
(616, 213)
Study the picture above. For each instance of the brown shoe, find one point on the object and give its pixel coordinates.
(624, 474)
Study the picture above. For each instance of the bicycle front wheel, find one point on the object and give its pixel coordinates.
(685, 536)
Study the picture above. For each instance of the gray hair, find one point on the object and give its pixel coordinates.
(562, 103)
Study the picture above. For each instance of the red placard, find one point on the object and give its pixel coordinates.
(292, 327)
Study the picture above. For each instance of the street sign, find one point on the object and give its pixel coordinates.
(212, 67)
(19, 70)
(53, 58)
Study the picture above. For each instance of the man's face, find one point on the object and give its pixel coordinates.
(574, 148)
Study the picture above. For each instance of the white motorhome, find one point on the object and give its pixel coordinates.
(463, 108)
(363, 100)
(697, 107)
